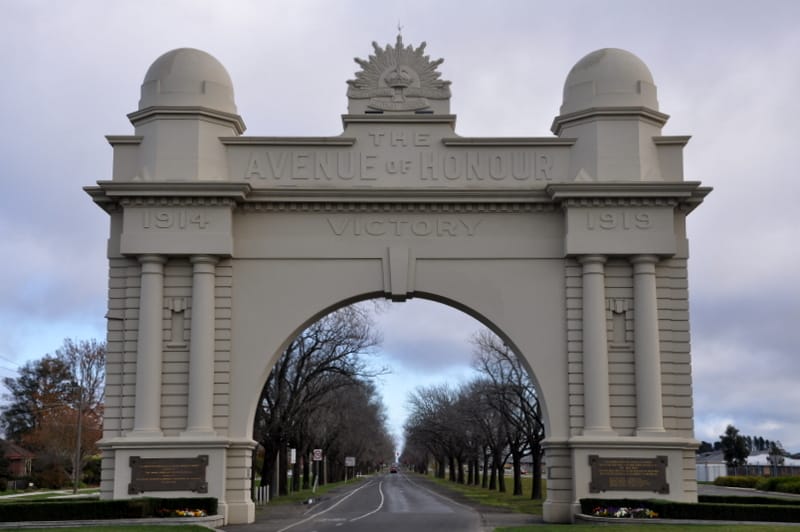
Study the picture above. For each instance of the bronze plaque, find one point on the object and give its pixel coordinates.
(168, 474)
(628, 474)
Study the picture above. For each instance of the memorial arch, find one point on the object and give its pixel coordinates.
(224, 246)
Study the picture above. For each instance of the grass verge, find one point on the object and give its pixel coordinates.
(515, 503)
(303, 495)
(115, 528)
(658, 527)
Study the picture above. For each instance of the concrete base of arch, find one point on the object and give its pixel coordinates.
(569, 473)
(227, 471)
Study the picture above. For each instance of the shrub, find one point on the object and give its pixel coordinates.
(711, 511)
(60, 510)
(737, 481)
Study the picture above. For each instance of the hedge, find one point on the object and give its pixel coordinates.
(71, 510)
(788, 513)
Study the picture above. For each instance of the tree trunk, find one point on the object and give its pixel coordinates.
(536, 491)
(460, 466)
(452, 466)
(517, 465)
(485, 479)
(306, 471)
(283, 469)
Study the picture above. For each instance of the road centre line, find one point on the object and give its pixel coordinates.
(314, 516)
(378, 509)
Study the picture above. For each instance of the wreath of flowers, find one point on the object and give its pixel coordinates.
(634, 513)
(185, 512)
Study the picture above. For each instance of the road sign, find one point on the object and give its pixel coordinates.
(317, 455)
(349, 461)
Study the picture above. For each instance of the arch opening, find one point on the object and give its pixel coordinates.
(391, 356)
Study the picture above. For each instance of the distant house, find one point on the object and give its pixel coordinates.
(20, 461)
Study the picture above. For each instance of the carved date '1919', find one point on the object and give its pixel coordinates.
(624, 220)
(174, 219)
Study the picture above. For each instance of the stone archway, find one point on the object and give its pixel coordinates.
(222, 246)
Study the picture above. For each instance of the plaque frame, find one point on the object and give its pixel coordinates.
(168, 474)
(606, 472)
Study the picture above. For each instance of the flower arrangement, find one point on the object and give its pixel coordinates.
(636, 513)
(181, 513)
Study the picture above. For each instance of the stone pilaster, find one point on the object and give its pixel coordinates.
(649, 412)
(597, 412)
(147, 413)
(201, 358)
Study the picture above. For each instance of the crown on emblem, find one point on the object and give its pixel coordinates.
(398, 79)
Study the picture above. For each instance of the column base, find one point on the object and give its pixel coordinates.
(144, 434)
(198, 433)
(559, 512)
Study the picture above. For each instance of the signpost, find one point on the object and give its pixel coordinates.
(349, 461)
(317, 457)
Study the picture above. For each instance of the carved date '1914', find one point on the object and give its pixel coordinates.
(174, 219)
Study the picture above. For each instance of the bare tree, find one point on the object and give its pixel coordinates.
(324, 358)
(514, 396)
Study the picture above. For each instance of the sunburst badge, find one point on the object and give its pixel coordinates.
(399, 78)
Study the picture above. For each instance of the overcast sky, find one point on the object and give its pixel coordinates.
(727, 72)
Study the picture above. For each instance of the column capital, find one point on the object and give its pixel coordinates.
(592, 259)
(204, 259)
(644, 259)
(152, 259)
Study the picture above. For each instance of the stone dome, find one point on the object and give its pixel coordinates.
(186, 77)
(609, 77)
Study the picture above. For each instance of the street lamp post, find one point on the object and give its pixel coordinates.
(76, 474)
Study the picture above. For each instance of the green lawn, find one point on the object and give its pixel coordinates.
(656, 527)
(520, 503)
(115, 528)
(303, 495)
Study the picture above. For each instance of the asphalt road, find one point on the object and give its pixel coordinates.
(384, 503)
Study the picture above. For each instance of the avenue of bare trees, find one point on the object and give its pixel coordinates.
(321, 395)
(479, 426)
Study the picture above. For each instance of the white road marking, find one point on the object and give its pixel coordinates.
(314, 516)
(378, 509)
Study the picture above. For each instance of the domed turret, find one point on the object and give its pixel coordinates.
(187, 77)
(609, 77)
(187, 97)
(610, 108)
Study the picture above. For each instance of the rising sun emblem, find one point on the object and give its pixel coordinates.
(399, 78)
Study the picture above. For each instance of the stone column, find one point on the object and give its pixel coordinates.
(201, 357)
(596, 409)
(647, 358)
(147, 413)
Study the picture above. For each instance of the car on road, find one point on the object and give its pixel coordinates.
(393, 469)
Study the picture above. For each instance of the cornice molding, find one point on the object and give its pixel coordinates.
(187, 113)
(499, 142)
(288, 141)
(389, 118)
(111, 195)
(608, 113)
(410, 207)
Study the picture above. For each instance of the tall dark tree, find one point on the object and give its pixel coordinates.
(734, 447)
(41, 387)
(514, 396)
(324, 358)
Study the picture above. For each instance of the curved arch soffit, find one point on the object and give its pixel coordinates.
(418, 295)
